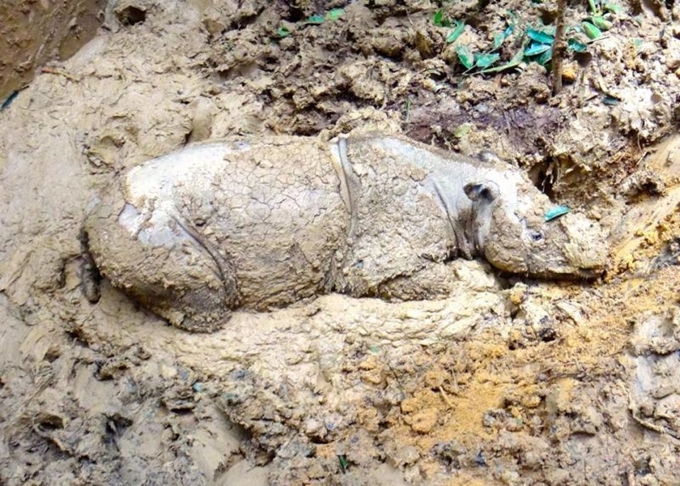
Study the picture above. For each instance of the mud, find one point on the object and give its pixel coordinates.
(505, 381)
(33, 34)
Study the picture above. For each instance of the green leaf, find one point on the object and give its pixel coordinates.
(335, 14)
(486, 60)
(540, 36)
(590, 30)
(461, 130)
(601, 23)
(610, 100)
(282, 32)
(576, 46)
(544, 58)
(501, 36)
(456, 33)
(437, 19)
(514, 62)
(613, 8)
(314, 20)
(343, 463)
(465, 56)
(498, 40)
(440, 20)
(535, 49)
(556, 212)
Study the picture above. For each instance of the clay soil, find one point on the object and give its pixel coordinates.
(506, 381)
(32, 34)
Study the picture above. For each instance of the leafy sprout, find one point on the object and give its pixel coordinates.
(535, 43)
(335, 14)
(591, 31)
(331, 16)
(456, 33)
(314, 20)
(441, 20)
(598, 7)
(501, 36)
(465, 56)
(343, 463)
(282, 32)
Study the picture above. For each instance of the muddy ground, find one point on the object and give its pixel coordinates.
(33, 34)
(507, 381)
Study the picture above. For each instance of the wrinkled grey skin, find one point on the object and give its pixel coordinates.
(222, 225)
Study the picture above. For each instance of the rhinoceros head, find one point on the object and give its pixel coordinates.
(516, 233)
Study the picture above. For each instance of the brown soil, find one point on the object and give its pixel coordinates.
(33, 33)
(506, 381)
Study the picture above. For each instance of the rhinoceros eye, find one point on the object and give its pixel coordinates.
(536, 235)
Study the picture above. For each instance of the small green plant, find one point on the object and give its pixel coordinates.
(599, 20)
(314, 20)
(591, 30)
(598, 7)
(343, 463)
(456, 33)
(536, 43)
(332, 15)
(282, 32)
(441, 20)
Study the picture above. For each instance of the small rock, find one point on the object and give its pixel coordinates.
(557, 476)
(409, 405)
(509, 477)
(167, 372)
(434, 378)
(431, 85)
(406, 455)
(569, 73)
(518, 294)
(425, 420)
(373, 377)
(424, 45)
(369, 363)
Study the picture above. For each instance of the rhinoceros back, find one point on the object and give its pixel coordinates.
(401, 225)
(275, 211)
(265, 221)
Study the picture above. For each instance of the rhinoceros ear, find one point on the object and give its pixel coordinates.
(479, 191)
(488, 157)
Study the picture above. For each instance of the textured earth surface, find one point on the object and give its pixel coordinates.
(505, 381)
(32, 34)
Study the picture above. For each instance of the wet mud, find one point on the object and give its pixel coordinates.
(505, 380)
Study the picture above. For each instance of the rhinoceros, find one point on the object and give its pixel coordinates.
(257, 224)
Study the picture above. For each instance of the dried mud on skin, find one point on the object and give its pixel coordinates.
(504, 382)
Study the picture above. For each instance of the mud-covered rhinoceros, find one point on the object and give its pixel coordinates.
(224, 224)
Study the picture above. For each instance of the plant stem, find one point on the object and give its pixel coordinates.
(559, 47)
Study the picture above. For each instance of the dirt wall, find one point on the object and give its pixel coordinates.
(32, 33)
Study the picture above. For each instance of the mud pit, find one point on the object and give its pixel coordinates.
(506, 381)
